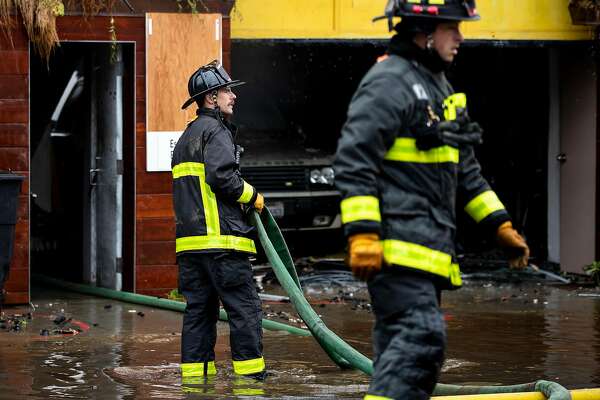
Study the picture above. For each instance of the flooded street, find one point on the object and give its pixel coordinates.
(499, 333)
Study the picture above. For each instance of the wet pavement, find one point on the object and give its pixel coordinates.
(94, 348)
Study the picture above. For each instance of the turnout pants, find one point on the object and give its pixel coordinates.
(204, 279)
(409, 337)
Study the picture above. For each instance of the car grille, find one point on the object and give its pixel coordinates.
(277, 179)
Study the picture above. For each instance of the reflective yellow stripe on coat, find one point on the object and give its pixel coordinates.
(209, 201)
(213, 238)
(246, 194)
(419, 257)
(359, 208)
(215, 242)
(405, 149)
(483, 205)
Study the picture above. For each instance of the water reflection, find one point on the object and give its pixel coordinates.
(502, 334)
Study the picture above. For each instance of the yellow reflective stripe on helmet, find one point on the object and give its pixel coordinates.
(219, 242)
(405, 149)
(358, 208)
(246, 194)
(452, 102)
(373, 397)
(249, 366)
(189, 370)
(483, 205)
(209, 201)
(422, 258)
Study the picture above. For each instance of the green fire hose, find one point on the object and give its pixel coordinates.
(151, 301)
(344, 355)
(339, 351)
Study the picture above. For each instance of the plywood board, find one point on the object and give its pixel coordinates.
(176, 45)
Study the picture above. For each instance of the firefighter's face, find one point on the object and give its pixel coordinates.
(226, 100)
(447, 39)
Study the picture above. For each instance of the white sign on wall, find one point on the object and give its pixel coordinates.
(159, 149)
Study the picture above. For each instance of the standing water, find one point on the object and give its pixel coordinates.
(76, 346)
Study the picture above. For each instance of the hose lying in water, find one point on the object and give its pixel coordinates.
(580, 394)
(152, 302)
(339, 351)
(344, 355)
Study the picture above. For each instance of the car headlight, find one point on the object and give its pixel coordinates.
(328, 175)
(324, 176)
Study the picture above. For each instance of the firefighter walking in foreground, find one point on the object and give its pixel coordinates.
(404, 162)
(213, 234)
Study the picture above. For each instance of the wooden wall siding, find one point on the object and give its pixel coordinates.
(168, 66)
(155, 264)
(14, 149)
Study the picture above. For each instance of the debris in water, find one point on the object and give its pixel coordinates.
(141, 314)
(13, 323)
(106, 307)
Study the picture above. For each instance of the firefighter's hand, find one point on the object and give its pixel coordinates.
(259, 203)
(470, 134)
(434, 136)
(365, 255)
(514, 245)
(449, 133)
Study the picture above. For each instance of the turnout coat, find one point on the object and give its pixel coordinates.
(393, 188)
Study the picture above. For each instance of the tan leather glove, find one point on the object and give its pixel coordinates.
(259, 203)
(514, 245)
(365, 255)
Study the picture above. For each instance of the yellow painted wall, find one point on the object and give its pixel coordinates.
(351, 19)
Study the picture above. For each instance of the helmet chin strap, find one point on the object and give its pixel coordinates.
(213, 97)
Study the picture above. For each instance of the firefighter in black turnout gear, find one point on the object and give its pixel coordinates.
(213, 235)
(404, 162)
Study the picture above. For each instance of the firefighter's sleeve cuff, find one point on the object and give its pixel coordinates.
(490, 225)
(360, 208)
(248, 194)
(483, 205)
(360, 214)
(362, 227)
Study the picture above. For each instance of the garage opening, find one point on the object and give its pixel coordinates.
(82, 152)
(297, 94)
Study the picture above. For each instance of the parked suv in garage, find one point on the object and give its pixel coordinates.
(297, 182)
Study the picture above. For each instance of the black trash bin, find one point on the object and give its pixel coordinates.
(10, 186)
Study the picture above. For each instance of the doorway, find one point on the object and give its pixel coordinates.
(82, 175)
